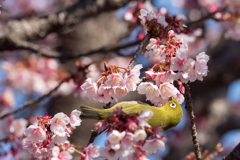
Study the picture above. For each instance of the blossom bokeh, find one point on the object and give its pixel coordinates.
(88, 57)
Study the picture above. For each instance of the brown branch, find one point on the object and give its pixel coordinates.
(53, 54)
(234, 154)
(209, 16)
(138, 51)
(37, 100)
(189, 108)
(39, 27)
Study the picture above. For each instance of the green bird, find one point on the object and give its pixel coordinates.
(166, 116)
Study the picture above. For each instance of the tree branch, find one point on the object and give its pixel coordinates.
(138, 51)
(39, 27)
(234, 154)
(189, 108)
(37, 100)
(53, 54)
(209, 16)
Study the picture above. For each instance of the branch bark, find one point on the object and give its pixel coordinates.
(234, 154)
(39, 27)
(53, 54)
(138, 51)
(209, 16)
(37, 100)
(189, 108)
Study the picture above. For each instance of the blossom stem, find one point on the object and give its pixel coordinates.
(78, 151)
(80, 147)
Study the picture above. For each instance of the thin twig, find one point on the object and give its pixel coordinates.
(138, 51)
(53, 54)
(189, 108)
(94, 134)
(37, 100)
(234, 154)
(209, 16)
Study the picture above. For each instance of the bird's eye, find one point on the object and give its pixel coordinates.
(173, 105)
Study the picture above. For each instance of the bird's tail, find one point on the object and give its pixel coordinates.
(92, 113)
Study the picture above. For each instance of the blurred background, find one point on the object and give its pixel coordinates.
(26, 74)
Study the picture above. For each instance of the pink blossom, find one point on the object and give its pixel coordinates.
(91, 152)
(35, 133)
(114, 138)
(151, 15)
(167, 90)
(90, 87)
(133, 78)
(201, 67)
(30, 146)
(58, 123)
(109, 153)
(159, 101)
(179, 97)
(143, 14)
(60, 139)
(161, 20)
(154, 48)
(127, 140)
(43, 152)
(18, 126)
(149, 89)
(145, 115)
(189, 71)
(105, 95)
(150, 74)
(114, 80)
(120, 93)
(161, 78)
(7, 98)
(5, 124)
(100, 125)
(140, 135)
(57, 155)
(152, 145)
(74, 118)
(178, 61)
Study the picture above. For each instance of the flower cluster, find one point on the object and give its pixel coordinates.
(113, 84)
(165, 46)
(36, 75)
(130, 135)
(163, 88)
(12, 132)
(159, 24)
(42, 139)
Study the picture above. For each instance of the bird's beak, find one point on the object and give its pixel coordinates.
(170, 98)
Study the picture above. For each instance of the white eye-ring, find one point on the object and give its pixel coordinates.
(173, 105)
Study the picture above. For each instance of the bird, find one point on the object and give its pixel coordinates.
(166, 116)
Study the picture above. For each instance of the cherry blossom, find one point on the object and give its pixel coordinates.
(58, 123)
(35, 133)
(91, 152)
(149, 89)
(74, 118)
(152, 145)
(63, 155)
(18, 126)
